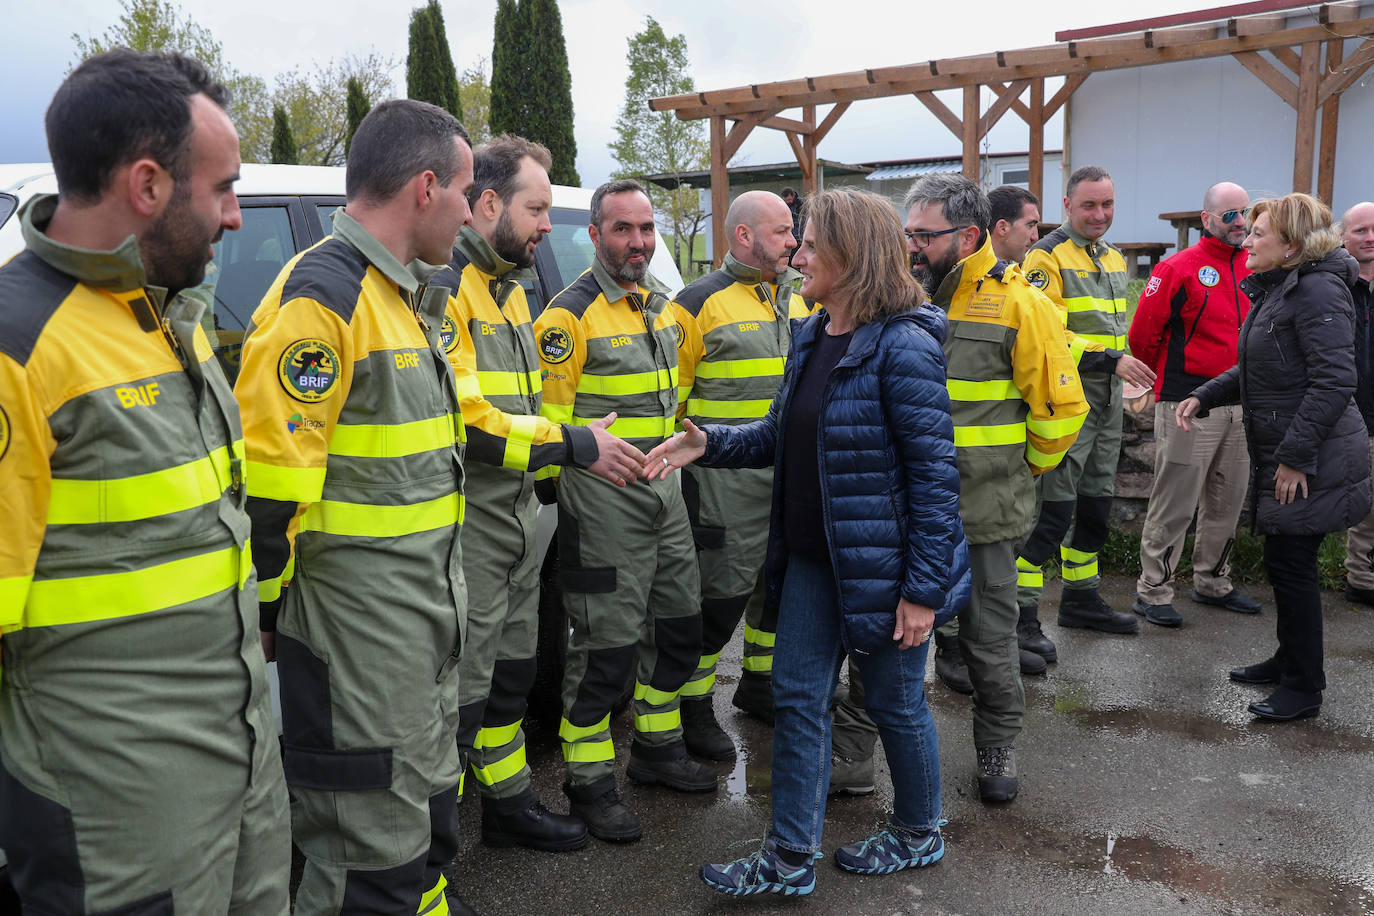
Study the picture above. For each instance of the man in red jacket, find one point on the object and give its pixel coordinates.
(1186, 328)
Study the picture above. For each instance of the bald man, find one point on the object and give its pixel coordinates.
(1186, 329)
(733, 326)
(1357, 227)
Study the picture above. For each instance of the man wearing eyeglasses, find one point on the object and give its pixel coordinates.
(1186, 328)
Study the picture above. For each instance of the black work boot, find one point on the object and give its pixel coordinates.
(1083, 608)
(754, 695)
(702, 733)
(950, 664)
(524, 821)
(603, 810)
(997, 773)
(669, 766)
(457, 906)
(1032, 663)
(1030, 637)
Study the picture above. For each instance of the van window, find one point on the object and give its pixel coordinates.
(8, 204)
(570, 245)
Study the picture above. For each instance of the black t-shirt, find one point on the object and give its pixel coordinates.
(803, 522)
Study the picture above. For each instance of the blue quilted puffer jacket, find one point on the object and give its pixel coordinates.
(890, 488)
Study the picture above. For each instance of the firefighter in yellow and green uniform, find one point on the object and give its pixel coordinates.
(354, 441)
(1086, 278)
(139, 767)
(490, 342)
(627, 567)
(736, 331)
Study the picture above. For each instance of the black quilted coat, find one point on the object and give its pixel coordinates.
(1295, 380)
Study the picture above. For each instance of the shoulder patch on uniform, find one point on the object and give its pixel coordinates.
(986, 305)
(555, 345)
(31, 291)
(331, 273)
(309, 370)
(1207, 275)
(448, 334)
(4, 433)
(1037, 277)
(680, 331)
(1153, 286)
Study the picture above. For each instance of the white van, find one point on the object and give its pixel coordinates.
(286, 209)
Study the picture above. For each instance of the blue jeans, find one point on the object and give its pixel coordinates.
(806, 667)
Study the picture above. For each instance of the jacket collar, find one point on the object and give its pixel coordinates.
(743, 273)
(352, 232)
(480, 254)
(614, 292)
(1094, 249)
(117, 270)
(1215, 246)
(966, 273)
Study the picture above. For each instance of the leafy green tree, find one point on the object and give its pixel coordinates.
(160, 25)
(317, 105)
(430, 74)
(531, 87)
(657, 142)
(474, 91)
(283, 143)
(357, 106)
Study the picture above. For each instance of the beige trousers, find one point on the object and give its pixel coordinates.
(1206, 470)
(1359, 546)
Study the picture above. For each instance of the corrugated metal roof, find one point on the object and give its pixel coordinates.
(899, 172)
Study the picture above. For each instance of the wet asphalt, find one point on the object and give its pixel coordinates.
(1145, 787)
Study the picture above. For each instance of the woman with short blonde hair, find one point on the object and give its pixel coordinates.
(1309, 449)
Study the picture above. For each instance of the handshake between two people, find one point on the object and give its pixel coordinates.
(619, 462)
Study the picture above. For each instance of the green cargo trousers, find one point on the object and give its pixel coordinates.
(628, 572)
(497, 669)
(730, 511)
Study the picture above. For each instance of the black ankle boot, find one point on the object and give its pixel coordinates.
(702, 733)
(1286, 703)
(606, 815)
(524, 821)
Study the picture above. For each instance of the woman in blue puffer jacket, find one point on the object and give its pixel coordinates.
(866, 552)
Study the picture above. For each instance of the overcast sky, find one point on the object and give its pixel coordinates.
(730, 43)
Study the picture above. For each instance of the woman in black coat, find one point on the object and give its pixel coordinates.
(1308, 445)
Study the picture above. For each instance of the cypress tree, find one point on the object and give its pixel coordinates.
(430, 74)
(283, 141)
(507, 63)
(357, 105)
(550, 114)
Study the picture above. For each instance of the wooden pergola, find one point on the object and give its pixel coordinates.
(1303, 62)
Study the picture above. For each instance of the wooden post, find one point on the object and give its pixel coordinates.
(1326, 156)
(720, 191)
(1305, 133)
(971, 132)
(1037, 141)
(811, 177)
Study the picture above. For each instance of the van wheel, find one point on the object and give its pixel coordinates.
(551, 649)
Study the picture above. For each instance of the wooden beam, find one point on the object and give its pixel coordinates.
(941, 111)
(1005, 98)
(1304, 141)
(1269, 75)
(1326, 153)
(1057, 101)
(785, 124)
(811, 176)
(824, 127)
(971, 135)
(795, 141)
(1342, 76)
(1037, 140)
(737, 135)
(1167, 45)
(1021, 109)
(1288, 57)
(1255, 25)
(720, 192)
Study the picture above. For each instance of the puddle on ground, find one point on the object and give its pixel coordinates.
(1283, 888)
(1133, 722)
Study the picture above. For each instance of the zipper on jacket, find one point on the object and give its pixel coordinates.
(1202, 308)
(1277, 346)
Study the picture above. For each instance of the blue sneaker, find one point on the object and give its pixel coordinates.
(762, 872)
(892, 850)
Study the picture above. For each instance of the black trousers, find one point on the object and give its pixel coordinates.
(1291, 562)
